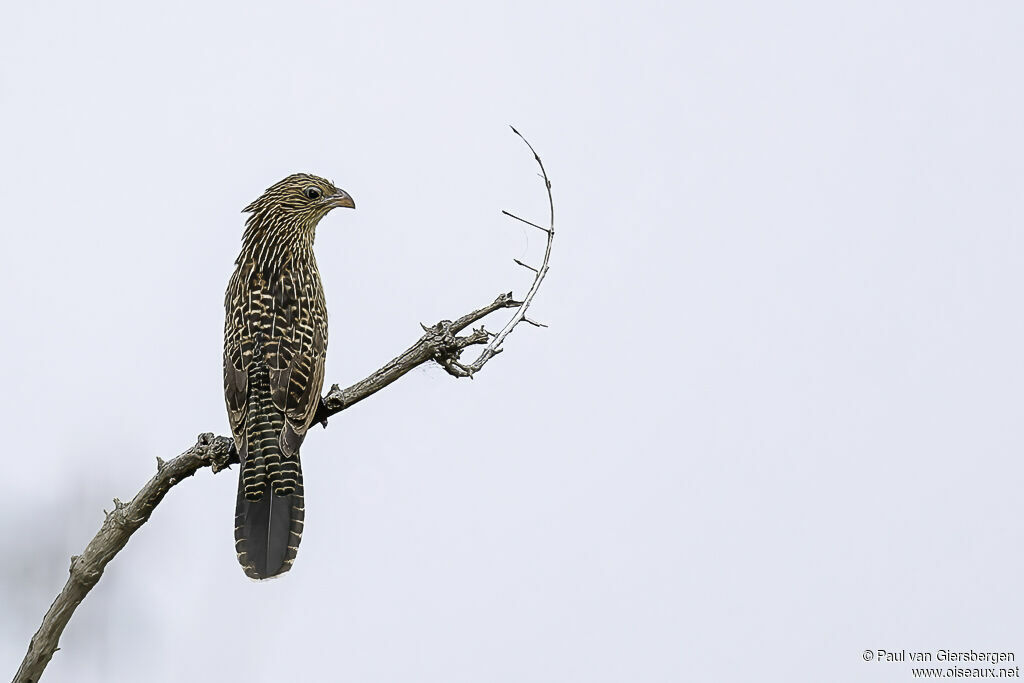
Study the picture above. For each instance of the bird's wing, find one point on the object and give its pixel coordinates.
(297, 359)
(236, 380)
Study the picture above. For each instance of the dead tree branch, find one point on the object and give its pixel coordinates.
(454, 367)
(440, 343)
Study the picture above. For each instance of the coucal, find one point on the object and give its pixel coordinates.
(275, 342)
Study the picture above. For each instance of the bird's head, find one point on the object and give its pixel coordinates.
(299, 199)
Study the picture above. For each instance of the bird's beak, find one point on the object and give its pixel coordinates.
(341, 199)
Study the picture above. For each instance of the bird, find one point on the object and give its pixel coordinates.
(275, 344)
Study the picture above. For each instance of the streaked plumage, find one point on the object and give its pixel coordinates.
(275, 343)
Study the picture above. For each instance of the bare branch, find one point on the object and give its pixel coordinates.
(118, 526)
(440, 343)
(494, 347)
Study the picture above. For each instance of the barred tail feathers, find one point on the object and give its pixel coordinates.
(270, 508)
(268, 531)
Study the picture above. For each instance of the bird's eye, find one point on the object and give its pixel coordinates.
(312, 193)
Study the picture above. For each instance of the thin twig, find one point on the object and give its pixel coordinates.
(523, 220)
(525, 265)
(494, 347)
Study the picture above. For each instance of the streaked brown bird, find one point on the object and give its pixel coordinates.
(275, 342)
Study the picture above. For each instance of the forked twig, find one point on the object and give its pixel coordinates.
(453, 365)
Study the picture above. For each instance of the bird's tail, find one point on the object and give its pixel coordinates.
(270, 509)
(268, 531)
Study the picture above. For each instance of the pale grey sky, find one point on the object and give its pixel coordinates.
(776, 419)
